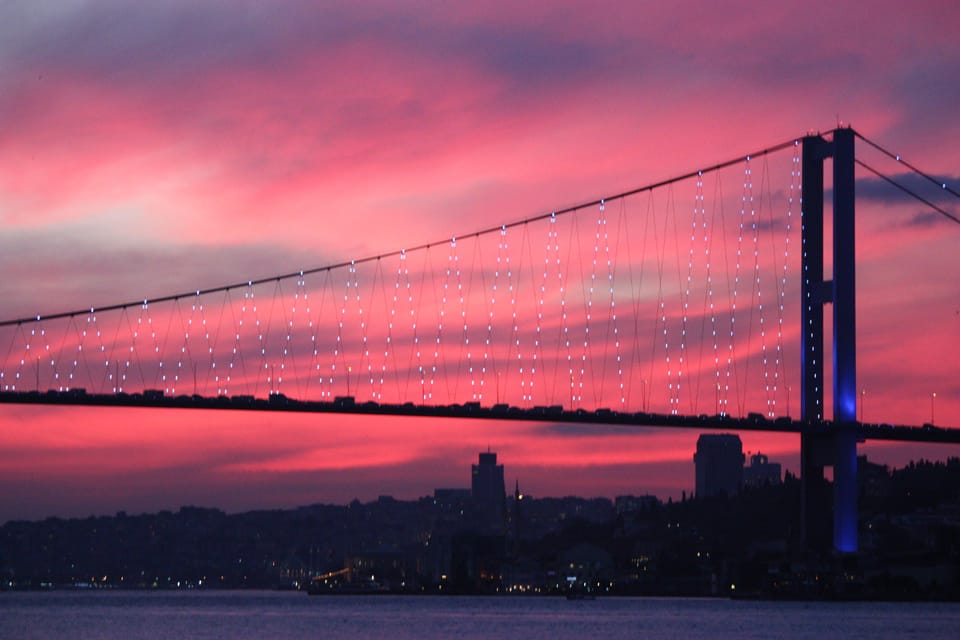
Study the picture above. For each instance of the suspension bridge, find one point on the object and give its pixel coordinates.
(696, 301)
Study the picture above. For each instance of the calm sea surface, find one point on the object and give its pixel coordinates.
(241, 614)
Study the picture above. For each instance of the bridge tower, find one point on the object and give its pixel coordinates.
(838, 447)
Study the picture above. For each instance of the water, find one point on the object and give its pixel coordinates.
(243, 614)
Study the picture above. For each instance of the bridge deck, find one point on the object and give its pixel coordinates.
(555, 413)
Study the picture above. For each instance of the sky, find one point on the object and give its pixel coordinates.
(171, 146)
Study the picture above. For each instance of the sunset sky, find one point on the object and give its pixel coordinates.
(153, 148)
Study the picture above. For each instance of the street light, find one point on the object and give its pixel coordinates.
(863, 392)
(933, 401)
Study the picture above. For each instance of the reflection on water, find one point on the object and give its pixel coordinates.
(244, 614)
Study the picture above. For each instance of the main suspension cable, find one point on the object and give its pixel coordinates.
(352, 263)
(895, 156)
(908, 191)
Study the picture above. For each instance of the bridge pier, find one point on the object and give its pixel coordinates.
(839, 452)
(815, 500)
(838, 448)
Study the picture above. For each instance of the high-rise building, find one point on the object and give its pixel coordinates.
(719, 464)
(487, 489)
(761, 471)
